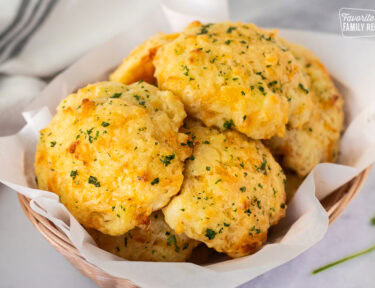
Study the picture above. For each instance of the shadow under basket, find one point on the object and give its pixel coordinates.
(334, 204)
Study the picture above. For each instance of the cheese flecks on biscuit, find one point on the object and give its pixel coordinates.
(113, 155)
(234, 75)
(302, 148)
(233, 191)
(154, 242)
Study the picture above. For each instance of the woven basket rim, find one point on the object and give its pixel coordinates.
(334, 204)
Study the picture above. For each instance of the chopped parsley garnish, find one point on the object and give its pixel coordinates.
(229, 124)
(243, 189)
(263, 167)
(204, 29)
(73, 174)
(228, 42)
(243, 93)
(167, 159)
(190, 143)
(172, 240)
(213, 59)
(186, 70)
(155, 181)
(261, 75)
(373, 221)
(210, 234)
(300, 85)
(208, 168)
(116, 95)
(140, 100)
(266, 38)
(230, 29)
(272, 83)
(206, 142)
(94, 181)
(105, 124)
(218, 180)
(53, 143)
(92, 138)
(261, 89)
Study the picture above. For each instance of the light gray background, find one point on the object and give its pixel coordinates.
(27, 260)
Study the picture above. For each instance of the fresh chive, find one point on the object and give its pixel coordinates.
(316, 271)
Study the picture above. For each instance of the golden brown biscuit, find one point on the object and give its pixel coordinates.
(232, 193)
(234, 75)
(293, 181)
(111, 160)
(138, 65)
(318, 139)
(155, 242)
(160, 104)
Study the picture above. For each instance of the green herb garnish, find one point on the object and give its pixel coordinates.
(300, 85)
(190, 143)
(172, 240)
(204, 29)
(229, 124)
(210, 234)
(73, 174)
(230, 29)
(167, 159)
(155, 181)
(316, 271)
(94, 181)
(116, 95)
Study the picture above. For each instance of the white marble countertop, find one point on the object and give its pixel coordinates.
(27, 259)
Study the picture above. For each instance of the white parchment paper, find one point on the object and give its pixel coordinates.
(351, 62)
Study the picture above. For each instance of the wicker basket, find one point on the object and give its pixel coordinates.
(334, 204)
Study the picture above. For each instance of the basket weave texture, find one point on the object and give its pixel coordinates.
(334, 204)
